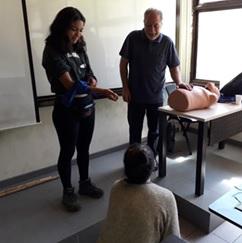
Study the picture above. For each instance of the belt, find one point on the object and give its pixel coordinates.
(81, 95)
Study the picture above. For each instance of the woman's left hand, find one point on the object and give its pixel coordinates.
(92, 82)
(111, 95)
(108, 93)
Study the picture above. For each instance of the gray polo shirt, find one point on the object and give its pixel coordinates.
(147, 64)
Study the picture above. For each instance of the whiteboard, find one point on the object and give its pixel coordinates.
(107, 24)
(16, 93)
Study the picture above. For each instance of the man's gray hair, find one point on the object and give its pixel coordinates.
(153, 10)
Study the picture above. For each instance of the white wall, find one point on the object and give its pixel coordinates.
(31, 148)
(108, 23)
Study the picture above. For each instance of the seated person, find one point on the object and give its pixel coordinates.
(197, 98)
(139, 210)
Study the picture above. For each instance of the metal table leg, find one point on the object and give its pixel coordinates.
(162, 144)
(201, 154)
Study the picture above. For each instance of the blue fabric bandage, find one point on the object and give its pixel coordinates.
(79, 87)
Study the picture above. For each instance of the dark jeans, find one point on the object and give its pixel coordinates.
(74, 131)
(136, 114)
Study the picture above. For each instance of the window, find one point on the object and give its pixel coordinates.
(207, 1)
(217, 41)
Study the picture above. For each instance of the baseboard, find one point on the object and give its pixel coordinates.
(27, 177)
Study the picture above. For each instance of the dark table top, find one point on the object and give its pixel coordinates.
(225, 206)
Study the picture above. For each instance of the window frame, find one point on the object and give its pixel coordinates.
(198, 8)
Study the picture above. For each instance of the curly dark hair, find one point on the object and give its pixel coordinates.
(62, 22)
(138, 163)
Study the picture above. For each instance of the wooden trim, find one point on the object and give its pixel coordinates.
(218, 5)
(194, 41)
(26, 185)
(206, 7)
(178, 16)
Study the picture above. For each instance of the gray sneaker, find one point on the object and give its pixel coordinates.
(70, 200)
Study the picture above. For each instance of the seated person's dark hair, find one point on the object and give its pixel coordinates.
(138, 163)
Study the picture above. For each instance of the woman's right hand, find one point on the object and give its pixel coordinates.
(110, 94)
(105, 92)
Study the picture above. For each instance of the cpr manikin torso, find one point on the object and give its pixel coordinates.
(197, 98)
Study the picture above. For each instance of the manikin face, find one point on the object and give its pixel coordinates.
(152, 25)
(75, 31)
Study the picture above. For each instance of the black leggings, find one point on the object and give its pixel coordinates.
(74, 131)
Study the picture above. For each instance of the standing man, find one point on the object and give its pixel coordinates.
(145, 54)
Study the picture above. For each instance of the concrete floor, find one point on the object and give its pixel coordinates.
(36, 215)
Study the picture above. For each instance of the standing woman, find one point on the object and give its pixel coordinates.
(71, 78)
